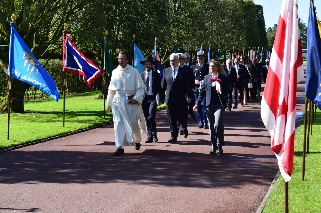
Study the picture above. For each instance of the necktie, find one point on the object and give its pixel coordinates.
(147, 83)
(174, 74)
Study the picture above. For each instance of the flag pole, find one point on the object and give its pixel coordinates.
(133, 42)
(304, 136)
(104, 76)
(9, 106)
(64, 73)
(309, 126)
(286, 197)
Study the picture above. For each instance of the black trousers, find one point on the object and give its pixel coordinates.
(149, 109)
(177, 115)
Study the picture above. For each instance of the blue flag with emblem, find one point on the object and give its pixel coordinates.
(138, 57)
(313, 70)
(24, 66)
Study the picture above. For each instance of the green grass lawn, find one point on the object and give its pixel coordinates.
(43, 119)
(304, 196)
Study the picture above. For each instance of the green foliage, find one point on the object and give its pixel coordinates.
(303, 195)
(191, 24)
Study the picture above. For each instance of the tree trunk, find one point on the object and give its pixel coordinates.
(18, 89)
(17, 92)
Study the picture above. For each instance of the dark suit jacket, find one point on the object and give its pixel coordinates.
(190, 76)
(232, 76)
(156, 82)
(206, 89)
(243, 75)
(199, 73)
(177, 90)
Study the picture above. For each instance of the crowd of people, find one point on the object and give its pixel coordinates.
(200, 90)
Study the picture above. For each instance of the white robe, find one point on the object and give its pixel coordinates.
(128, 119)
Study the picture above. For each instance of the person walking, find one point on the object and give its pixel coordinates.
(200, 70)
(175, 83)
(214, 90)
(153, 87)
(231, 72)
(125, 95)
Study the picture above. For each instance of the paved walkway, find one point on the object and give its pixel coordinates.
(78, 173)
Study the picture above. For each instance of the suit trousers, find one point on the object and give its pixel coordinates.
(149, 109)
(177, 115)
(230, 97)
(201, 112)
(215, 114)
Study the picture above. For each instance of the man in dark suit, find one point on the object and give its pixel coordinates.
(241, 83)
(176, 85)
(190, 74)
(231, 72)
(153, 87)
(200, 70)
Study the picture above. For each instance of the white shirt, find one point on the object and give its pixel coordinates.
(150, 82)
(174, 73)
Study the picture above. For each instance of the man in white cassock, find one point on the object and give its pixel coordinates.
(125, 95)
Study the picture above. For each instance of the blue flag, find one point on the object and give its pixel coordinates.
(76, 62)
(138, 57)
(313, 71)
(175, 48)
(218, 56)
(209, 55)
(24, 66)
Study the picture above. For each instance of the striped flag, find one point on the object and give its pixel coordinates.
(279, 99)
(76, 62)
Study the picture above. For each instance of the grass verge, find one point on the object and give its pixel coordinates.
(304, 196)
(43, 119)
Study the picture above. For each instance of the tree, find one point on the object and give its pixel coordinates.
(40, 24)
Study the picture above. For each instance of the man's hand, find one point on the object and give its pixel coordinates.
(195, 108)
(197, 82)
(133, 101)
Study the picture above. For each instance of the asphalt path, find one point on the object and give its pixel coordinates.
(77, 173)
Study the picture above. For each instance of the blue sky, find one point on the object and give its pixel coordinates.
(271, 9)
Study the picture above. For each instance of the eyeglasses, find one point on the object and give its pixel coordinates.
(200, 57)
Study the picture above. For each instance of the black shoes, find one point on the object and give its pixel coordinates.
(119, 151)
(137, 146)
(172, 139)
(155, 139)
(149, 140)
(185, 134)
(206, 126)
(234, 107)
(219, 152)
(181, 132)
(213, 151)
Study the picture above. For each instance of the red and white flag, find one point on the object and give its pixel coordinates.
(278, 111)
